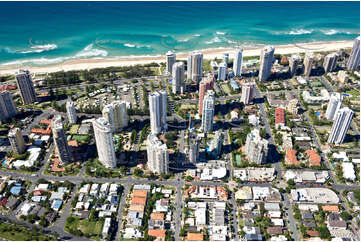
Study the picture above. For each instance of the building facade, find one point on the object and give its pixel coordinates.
(225, 58)
(266, 60)
(26, 87)
(157, 154)
(333, 105)
(330, 62)
(205, 85)
(104, 142)
(307, 64)
(195, 66)
(158, 111)
(7, 106)
(16, 141)
(353, 62)
(256, 148)
(293, 61)
(247, 93)
(208, 111)
(215, 146)
(170, 60)
(340, 126)
(71, 112)
(292, 106)
(193, 151)
(222, 71)
(178, 78)
(237, 62)
(116, 114)
(60, 141)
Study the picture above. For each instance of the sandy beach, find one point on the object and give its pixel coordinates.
(83, 64)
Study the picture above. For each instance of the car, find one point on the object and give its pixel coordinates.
(34, 175)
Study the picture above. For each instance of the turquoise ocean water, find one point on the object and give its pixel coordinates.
(41, 33)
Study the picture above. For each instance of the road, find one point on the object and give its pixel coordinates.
(277, 165)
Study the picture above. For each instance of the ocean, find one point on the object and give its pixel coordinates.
(43, 33)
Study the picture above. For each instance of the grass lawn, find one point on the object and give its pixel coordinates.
(87, 227)
(74, 129)
(225, 88)
(80, 137)
(90, 227)
(16, 232)
(188, 106)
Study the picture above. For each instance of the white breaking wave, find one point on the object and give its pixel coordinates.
(87, 52)
(214, 40)
(33, 49)
(300, 31)
(136, 46)
(230, 41)
(184, 40)
(40, 48)
(129, 45)
(334, 31)
(196, 35)
(220, 33)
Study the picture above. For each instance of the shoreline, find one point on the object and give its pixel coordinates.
(211, 53)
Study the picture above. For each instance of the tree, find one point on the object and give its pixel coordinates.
(133, 136)
(263, 133)
(291, 182)
(345, 216)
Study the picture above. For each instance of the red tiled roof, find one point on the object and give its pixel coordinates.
(156, 232)
(45, 121)
(157, 216)
(3, 202)
(73, 143)
(313, 233)
(195, 236)
(140, 193)
(314, 159)
(139, 200)
(291, 158)
(330, 208)
(42, 131)
(280, 116)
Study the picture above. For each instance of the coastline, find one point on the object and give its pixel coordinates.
(86, 64)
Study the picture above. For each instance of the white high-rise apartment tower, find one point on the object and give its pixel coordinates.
(333, 105)
(256, 147)
(171, 59)
(247, 93)
(237, 62)
(7, 106)
(195, 66)
(157, 154)
(330, 62)
(16, 141)
(340, 126)
(222, 71)
(71, 112)
(266, 60)
(26, 87)
(158, 111)
(193, 151)
(60, 141)
(116, 114)
(178, 77)
(104, 142)
(208, 111)
(225, 58)
(307, 64)
(294, 60)
(353, 62)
